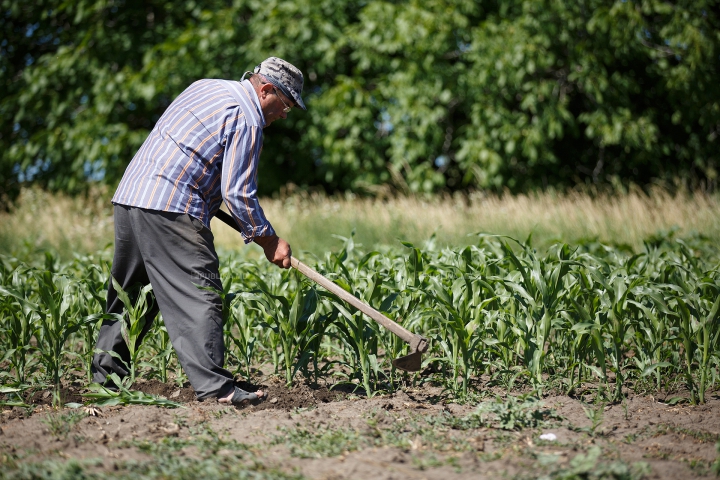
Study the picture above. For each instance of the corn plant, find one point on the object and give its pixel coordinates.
(241, 333)
(20, 319)
(358, 335)
(360, 338)
(292, 324)
(134, 322)
(162, 352)
(587, 316)
(92, 292)
(456, 326)
(57, 296)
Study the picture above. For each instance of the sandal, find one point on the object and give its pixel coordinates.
(242, 399)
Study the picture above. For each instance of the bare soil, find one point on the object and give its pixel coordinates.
(395, 436)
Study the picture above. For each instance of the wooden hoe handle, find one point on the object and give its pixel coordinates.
(399, 330)
(417, 342)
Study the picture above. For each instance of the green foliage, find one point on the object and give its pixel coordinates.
(586, 319)
(134, 321)
(291, 324)
(104, 397)
(161, 461)
(318, 441)
(20, 326)
(59, 313)
(60, 424)
(512, 413)
(590, 466)
(595, 414)
(423, 95)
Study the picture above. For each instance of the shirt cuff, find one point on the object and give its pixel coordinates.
(260, 231)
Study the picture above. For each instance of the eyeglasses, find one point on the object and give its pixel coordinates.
(286, 109)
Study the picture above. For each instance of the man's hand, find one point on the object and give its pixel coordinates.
(276, 249)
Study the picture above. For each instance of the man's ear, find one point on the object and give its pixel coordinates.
(266, 88)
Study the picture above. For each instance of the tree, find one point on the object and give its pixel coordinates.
(584, 91)
(424, 95)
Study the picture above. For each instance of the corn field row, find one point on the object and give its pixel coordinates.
(574, 318)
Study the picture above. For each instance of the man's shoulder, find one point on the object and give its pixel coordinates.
(245, 97)
(233, 98)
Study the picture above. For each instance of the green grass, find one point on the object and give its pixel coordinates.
(318, 441)
(61, 424)
(205, 456)
(424, 440)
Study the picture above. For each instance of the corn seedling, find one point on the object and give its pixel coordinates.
(134, 323)
(590, 317)
(20, 323)
(292, 324)
(57, 323)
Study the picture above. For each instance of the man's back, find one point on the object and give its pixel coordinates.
(179, 167)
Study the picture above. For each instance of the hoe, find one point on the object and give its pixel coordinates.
(418, 344)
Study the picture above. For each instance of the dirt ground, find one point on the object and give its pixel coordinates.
(316, 433)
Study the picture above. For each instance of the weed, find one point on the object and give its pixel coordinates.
(318, 441)
(699, 467)
(590, 466)
(163, 463)
(716, 465)
(596, 417)
(61, 424)
(513, 413)
(427, 461)
(701, 436)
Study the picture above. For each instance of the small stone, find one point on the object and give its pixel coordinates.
(175, 394)
(274, 400)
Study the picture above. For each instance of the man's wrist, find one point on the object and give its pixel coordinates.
(265, 241)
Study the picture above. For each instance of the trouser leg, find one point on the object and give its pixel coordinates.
(179, 257)
(128, 269)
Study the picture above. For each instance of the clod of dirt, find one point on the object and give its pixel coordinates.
(171, 391)
(297, 396)
(68, 393)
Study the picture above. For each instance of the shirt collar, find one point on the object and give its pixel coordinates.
(253, 94)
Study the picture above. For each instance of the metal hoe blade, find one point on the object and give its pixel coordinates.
(413, 361)
(409, 363)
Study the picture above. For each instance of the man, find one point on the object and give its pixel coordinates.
(204, 149)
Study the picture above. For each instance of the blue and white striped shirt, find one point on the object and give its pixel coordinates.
(204, 149)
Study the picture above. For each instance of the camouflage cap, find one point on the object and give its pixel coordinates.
(285, 76)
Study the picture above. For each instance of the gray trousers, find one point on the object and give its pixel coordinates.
(174, 252)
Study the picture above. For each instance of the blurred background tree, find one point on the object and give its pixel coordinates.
(421, 96)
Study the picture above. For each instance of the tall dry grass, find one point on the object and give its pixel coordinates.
(627, 218)
(67, 225)
(312, 222)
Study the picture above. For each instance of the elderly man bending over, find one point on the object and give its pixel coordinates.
(204, 149)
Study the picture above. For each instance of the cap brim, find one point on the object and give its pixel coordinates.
(299, 101)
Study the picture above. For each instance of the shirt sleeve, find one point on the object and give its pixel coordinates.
(239, 181)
